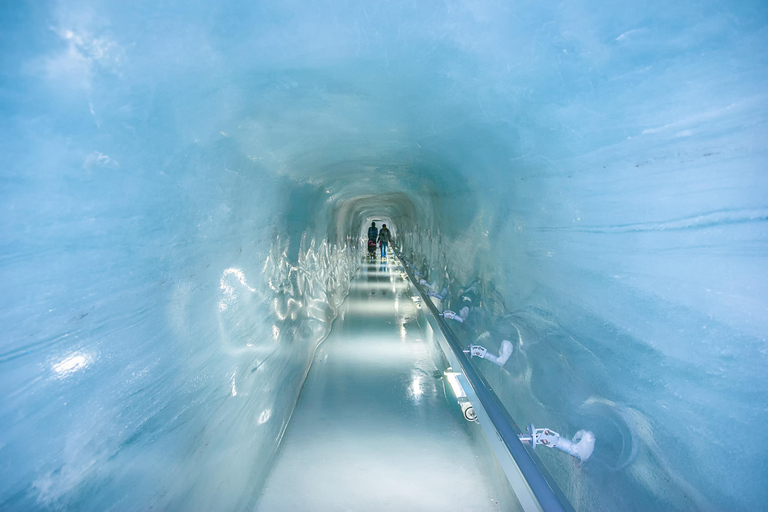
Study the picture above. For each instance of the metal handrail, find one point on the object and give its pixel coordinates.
(544, 488)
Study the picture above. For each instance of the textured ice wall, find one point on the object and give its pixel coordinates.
(624, 254)
(155, 340)
(178, 177)
(162, 291)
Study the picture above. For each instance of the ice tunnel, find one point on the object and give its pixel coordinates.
(185, 188)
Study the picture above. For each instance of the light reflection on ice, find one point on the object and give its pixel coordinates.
(378, 285)
(264, 416)
(373, 308)
(72, 364)
(416, 389)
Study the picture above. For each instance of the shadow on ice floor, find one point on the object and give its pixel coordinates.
(373, 428)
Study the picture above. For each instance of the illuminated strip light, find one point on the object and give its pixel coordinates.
(461, 397)
(453, 380)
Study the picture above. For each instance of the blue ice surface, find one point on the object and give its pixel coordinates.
(183, 187)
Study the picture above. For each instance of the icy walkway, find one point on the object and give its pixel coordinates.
(373, 429)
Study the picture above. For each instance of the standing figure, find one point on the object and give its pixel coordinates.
(373, 234)
(384, 240)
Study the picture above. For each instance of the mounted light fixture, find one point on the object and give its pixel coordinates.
(461, 397)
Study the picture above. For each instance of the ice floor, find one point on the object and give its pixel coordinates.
(373, 429)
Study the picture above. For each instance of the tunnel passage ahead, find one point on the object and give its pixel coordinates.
(373, 429)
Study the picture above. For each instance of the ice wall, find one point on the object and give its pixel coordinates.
(183, 184)
(157, 328)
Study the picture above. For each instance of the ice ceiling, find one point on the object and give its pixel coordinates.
(184, 184)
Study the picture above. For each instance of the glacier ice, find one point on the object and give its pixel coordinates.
(184, 185)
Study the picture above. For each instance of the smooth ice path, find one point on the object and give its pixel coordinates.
(373, 429)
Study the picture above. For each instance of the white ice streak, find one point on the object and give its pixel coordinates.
(98, 159)
(228, 290)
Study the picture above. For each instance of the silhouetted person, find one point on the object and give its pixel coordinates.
(373, 234)
(384, 238)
